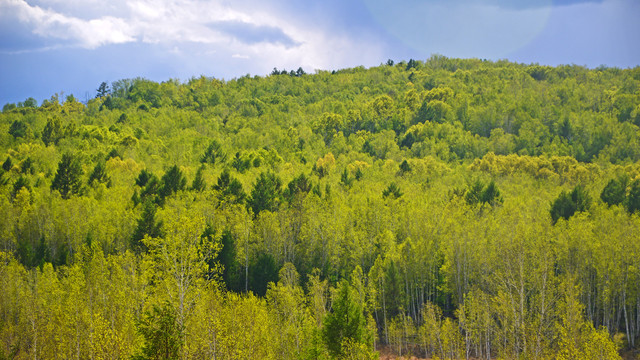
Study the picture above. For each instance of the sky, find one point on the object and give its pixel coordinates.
(67, 47)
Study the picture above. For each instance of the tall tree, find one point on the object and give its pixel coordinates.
(345, 322)
(67, 180)
(266, 193)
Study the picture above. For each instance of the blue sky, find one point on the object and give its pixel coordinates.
(71, 46)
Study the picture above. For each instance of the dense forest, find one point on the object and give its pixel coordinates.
(444, 208)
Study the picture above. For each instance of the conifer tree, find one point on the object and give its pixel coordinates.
(345, 322)
(67, 180)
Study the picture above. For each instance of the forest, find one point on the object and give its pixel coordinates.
(445, 208)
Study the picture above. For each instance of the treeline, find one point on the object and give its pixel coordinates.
(448, 208)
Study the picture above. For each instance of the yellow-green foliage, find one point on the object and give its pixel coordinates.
(437, 270)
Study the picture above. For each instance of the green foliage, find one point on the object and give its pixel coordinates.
(297, 188)
(147, 226)
(198, 183)
(229, 189)
(7, 164)
(615, 192)
(21, 183)
(633, 200)
(261, 272)
(432, 278)
(478, 193)
(266, 193)
(67, 180)
(345, 322)
(213, 154)
(18, 129)
(163, 335)
(404, 168)
(172, 182)
(393, 191)
(99, 175)
(567, 204)
(52, 132)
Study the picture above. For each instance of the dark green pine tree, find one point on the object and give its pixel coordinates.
(162, 334)
(567, 204)
(213, 154)
(67, 180)
(345, 321)
(404, 168)
(393, 190)
(52, 132)
(229, 189)
(18, 129)
(147, 225)
(99, 174)
(172, 181)
(7, 164)
(198, 182)
(615, 192)
(265, 194)
(491, 194)
(230, 266)
(633, 200)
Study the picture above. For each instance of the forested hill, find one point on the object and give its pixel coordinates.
(446, 208)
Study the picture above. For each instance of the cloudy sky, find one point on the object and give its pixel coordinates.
(71, 46)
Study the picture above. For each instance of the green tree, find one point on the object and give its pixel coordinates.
(67, 180)
(163, 335)
(7, 164)
(345, 322)
(172, 181)
(99, 174)
(198, 182)
(147, 226)
(18, 129)
(52, 132)
(633, 199)
(615, 191)
(103, 90)
(229, 189)
(567, 204)
(393, 190)
(213, 154)
(265, 194)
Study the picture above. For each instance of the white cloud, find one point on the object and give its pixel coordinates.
(261, 35)
(87, 33)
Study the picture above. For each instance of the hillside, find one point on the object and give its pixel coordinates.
(446, 208)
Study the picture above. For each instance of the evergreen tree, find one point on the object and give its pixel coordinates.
(172, 182)
(7, 164)
(227, 258)
(213, 154)
(99, 174)
(229, 188)
(265, 194)
(262, 271)
(147, 225)
(404, 168)
(393, 190)
(198, 182)
(491, 194)
(67, 180)
(345, 322)
(615, 191)
(633, 200)
(18, 129)
(567, 204)
(162, 333)
(52, 132)
(22, 182)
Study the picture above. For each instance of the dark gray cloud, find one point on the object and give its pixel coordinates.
(252, 34)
